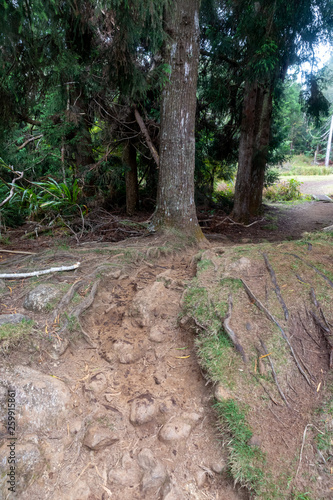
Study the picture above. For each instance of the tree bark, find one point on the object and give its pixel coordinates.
(253, 151)
(131, 178)
(175, 193)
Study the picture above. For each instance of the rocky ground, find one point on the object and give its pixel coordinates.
(110, 399)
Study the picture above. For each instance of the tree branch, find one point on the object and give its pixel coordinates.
(145, 132)
(34, 138)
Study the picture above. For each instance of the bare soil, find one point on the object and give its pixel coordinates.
(104, 386)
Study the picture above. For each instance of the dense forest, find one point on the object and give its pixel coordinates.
(142, 105)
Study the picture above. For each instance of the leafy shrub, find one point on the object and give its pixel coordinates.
(272, 176)
(284, 191)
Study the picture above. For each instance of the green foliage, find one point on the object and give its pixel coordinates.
(272, 176)
(285, 191)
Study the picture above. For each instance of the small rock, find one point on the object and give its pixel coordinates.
(97, 383)
(75, 426)
(328, 229)
(126, 352)
(254, 441)
(200, 478)
(143, 409)
(40, 298)
(155, 472)
(175, 430)
(129, 474)
(12, 318)
(123, 277)
(97, 438)
(157, 334)
(221, 393)
(58, 348)
(322, 197)
(114, 274)
(218, 466)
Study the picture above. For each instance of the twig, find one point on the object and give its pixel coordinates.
(274, 373)
(34, 138)
(303, 442)
(276, 286)
(38, 273)
(145, 132)
(271, 317)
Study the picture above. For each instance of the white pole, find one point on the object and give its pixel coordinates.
(328, 151)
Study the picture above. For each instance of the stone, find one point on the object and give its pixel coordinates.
(328, 229)
(12, 318)
(254, 441)
(128, 475)
(40, 298)
(157, 334)
(176, 430)
(322, 197)
(99, 437)
(155, 473)
(97, 383)
(57, 348)
(200, 478)
(143, 409)
(126, 352)
(145, 302)
(114, 274)
(218, 466)
(220, 393)
(242, 264)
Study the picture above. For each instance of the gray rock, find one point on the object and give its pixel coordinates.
(328, 229)
(143, 409)
(322, 197)
(221, 393)
(114, 274)
(218, 466)
(155, 473)
(157, 334)
(12, 318)
(99, 437)
(97, 383)
(201, 478)
(254, 441)
(175, 430)
(146, 301)
(57, 348)
(126, 352)
(40, 298)
(129, 474)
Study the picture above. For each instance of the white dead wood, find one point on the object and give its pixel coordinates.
(39, 273)
(17, 251)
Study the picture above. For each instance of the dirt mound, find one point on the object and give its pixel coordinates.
(264, 317)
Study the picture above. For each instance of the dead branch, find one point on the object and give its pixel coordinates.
(231, 333)
(238, 223)
(34, 138)
(145, 132)
(17, 251)
(11, 193)
(39, 273)
(268, 315)
(276, 286)
(274, 373)
(303, 442)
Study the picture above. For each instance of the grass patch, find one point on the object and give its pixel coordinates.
(10, 333)
(245, 462)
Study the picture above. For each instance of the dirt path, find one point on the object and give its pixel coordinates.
(142, 425)
(319, 184)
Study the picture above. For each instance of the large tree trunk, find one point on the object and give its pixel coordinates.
(175, 194)
(131, 178)
(253, 151)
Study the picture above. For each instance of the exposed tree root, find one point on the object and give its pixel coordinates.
(276, 286)
(231, 334)
(271, 318)
(274, 373)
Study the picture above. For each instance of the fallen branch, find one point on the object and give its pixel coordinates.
(19, 176)
(276, 286)
(303, 442)
(231, 333)
(17, 251)
(39, 273)
(274, 373)
(238, 223)
(271, 318)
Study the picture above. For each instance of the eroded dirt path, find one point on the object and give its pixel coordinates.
(143, 425)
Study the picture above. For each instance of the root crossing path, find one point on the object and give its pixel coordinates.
(143, 426)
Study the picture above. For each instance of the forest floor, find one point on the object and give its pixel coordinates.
(141, 422)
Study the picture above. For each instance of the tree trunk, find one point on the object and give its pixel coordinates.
(175, 193)
(131, 178)
(253, 151)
